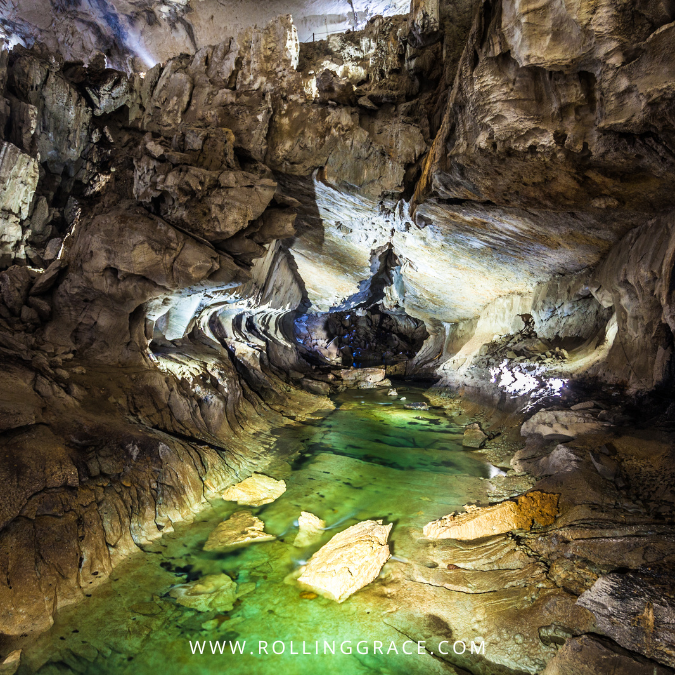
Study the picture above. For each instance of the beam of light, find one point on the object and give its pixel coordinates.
(337, 523)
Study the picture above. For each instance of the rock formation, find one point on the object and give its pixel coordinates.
(532, 508)
(212, 592)
(349, 561)
(255, 490)
(240, 529)
(203, 232)
(310, 529)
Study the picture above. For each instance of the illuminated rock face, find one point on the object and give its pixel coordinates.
(310, 529)
(239, 529)
(532, 508)
(255, 491)
(349, 561)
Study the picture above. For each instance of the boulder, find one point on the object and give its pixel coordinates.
(533, 507)
(392, 392)
(239, 529)
(474, 436)
(349, 561)
(213, 592)
(562, 424)
(589, 655)
(255, 490)
(311, 529)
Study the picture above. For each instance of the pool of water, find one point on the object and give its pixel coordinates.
(370, 458)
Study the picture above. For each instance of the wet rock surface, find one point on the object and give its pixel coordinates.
(255, 490)
(240, 529)
(349, 561)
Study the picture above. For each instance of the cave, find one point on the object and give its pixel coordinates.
(337, 335)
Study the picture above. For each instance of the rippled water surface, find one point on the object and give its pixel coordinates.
(370, 458)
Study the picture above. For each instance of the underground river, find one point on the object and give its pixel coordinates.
(369, 458)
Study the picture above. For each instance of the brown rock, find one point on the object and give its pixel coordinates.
(213, 592)
(532, 508)
(590, 655)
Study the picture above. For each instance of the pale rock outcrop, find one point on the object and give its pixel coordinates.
(562, 424)
(354, 376)
(18, 180)
(239, 529)
(532, 508)
(255, 490)
(349, 561)
(311, 528)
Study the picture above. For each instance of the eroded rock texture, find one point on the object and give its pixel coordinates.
(191, 252)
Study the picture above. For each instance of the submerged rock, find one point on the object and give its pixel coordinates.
(214, 592)
(392, 392)
(239, 529)
(11, 664)
(417, 405)
(255, 490)
(311, 529)
(474, 436)
(534, 507)
(349, 561)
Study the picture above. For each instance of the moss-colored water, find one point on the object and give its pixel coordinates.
(369, 459)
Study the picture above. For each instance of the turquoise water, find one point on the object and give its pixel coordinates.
(370, 458)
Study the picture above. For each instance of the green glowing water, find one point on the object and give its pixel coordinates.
(369, 459)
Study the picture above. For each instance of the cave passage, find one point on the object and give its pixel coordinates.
(370, 458)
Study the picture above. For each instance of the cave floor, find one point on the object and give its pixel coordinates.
(370, 458)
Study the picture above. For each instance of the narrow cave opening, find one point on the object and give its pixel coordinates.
(363, 337)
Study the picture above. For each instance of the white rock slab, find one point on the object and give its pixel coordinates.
(349, 561)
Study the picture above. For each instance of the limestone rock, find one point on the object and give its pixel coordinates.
(213, 592)
(240, 529)
(636, 610)
(529, 509)
(311, 529)
(474, 436)
(562, 424)
(353, 376)
(18, 180)
(15, 284)
(589, 655)
(255, 490)
(349, 561)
